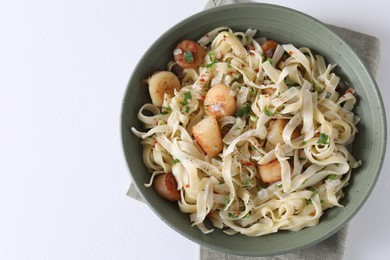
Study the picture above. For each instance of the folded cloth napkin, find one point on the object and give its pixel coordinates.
(368, 47)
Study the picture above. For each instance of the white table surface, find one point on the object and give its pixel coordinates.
(64, 66)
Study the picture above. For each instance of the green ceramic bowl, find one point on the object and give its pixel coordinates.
(287, 26)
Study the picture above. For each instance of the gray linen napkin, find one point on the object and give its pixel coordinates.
(368, 47)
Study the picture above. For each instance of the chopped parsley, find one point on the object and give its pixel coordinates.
(232, 215)
(187, 109)
(267, 112)
(304, 143)
(165, 110)
(279, 186)
(210, 65)
(187, 95)
(290, 83)
(331, 177)
(246, 183)
(309, 202)
(188, 56)
(240, 78)
(229, 65)
(260, 187)
(175, 161)
(227, 199)
(213, 60)
(323, 139)
(286, 55)
(314, 190)
(319, 87)
(270, 61)
(245, 111)
(302, 158)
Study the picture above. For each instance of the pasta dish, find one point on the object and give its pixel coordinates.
(249, 133)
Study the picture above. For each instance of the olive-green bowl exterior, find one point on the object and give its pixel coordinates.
(287, 26)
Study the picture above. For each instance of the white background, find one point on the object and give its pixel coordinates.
(64, 66)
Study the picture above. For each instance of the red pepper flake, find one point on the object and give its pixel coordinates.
(222, 56)
(202, 80)
(210, 214)
(257, 70)
(243, 65)
(207, 35)
(155, 142)
(187, 186)
(247, 163)
(156, 122)
(312, 214)
(215, 192)
(238, 213)
(203, 97)
(230, 72)
(290, 52)
(251, 54)
(351, 91)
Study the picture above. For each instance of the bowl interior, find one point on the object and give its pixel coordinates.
(286, 26)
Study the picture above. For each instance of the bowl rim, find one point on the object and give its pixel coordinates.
(382, 151)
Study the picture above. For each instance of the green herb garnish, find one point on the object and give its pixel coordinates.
(270, 61)
(260, 187)
(246, 183)
(332, 177)
(187, 109)
(188, 56)
(232, 215)
(304, 143)
(308, 202)
(267, 112)
(319, 87)
(245, 111)
(314, 190)
(227, 199)
(175, 161)
(210, 65)
(323, 139)
(289, 83)
(238, 79)
(187, 95)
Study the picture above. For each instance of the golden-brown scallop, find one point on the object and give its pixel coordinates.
(275, 131)
(160, 83)
(189, 54)
(269, 48)
(219, 102)
(268, 91)
(270, 172)
(165, 185)
(208, 136)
